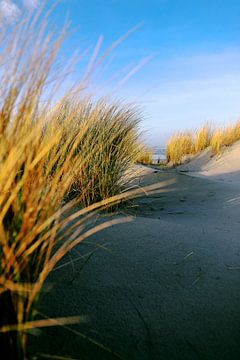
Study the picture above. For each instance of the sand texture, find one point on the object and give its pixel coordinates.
(224, 167)
(165, 286)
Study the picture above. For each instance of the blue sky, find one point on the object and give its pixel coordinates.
(190, 48)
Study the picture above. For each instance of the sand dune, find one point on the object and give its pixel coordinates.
(224, 167)
(165, 286)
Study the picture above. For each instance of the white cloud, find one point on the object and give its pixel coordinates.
(182, 93)
(9, 11)
(30, 4)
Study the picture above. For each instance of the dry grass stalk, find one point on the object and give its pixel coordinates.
(145, 155)
(178, 146)
(202, 138)
(183, 144)
(225, 137)
(47, 154)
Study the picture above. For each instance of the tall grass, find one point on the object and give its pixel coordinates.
(145, 155)
(225, 137)
(52, 157)
(182, 144)
(178, 146)
(113, 136)
(202, 138)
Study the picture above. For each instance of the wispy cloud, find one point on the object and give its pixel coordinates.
(30, 4)
(9, 12)
(182, 93)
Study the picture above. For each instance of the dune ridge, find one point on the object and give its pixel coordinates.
(222, 167)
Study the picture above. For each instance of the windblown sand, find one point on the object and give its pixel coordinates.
(166, 285)
(223, 167)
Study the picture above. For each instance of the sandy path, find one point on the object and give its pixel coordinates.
(166, 286)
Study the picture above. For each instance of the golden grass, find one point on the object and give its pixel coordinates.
(109, 146)
(182, 144)
(216, 141)
(202, 138)
(179, 145)
(225, 137)
(52, 157)
(145, 155)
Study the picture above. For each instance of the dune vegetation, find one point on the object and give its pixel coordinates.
(179, 145)
(225, 137)
(184, 144)
(145, 155)
(53, 156)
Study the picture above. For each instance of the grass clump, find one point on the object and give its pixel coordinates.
(179, 145)
(216, 141)
(226, 136)
(109, 145)
(202, 138)
(182, 144)
(145, 156)
(77, 150)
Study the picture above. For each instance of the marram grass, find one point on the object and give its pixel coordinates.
(52, 157)
(145, 155)
(225, 136)
(187, 143)
(179, 145)
(202, 138)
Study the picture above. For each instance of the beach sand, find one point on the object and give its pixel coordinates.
(223, 167)
(165, 286)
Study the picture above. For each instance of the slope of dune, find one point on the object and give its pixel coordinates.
(223, 167)
(163, 286)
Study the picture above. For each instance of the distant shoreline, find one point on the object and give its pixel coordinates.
(159, 153)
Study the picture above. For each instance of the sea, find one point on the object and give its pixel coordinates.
(159, 153)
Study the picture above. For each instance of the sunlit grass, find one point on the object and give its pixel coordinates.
(145, 155)
(202, 138)
(182, 144)
(52, 157)
(179, 145)
(225, 137)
